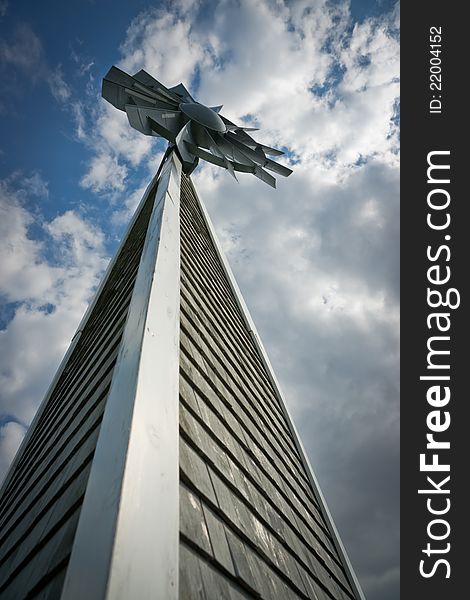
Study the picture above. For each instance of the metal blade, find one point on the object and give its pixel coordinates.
(182, 93)
(189, 159)
(271, 151)
(143, 78)
(161, 130)
(215, 160)
(264, 176)
(113, 89)
(170, 121)
(260, 158)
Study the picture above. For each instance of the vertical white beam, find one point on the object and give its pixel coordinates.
(355, 585)
(73, 342)
(126, 544)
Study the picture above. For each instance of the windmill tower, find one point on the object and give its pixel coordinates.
(163, 462)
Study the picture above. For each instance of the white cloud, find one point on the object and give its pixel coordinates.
(78, 114)
(3, 8)
(34, 184)
(11, 436)
(105, 174)
(59, 88)
(117, 136)
(50, 281)
(23, 276)
(265, 59)
(317, 260)
(165, 43)
(25, 51)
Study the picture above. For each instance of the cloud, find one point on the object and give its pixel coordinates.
(317, 98)
(84, 64)
(34, 184)
(317, 260)
(318, 266)
(59, 88)
(24, 50)
(24, 276)
(154, 37)
(11, 435)
(105, 174)
(3, 8)
(50, 282)
(116, 148)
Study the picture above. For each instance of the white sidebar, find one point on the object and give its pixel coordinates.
(126, 544)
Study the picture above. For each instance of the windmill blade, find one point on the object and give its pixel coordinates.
(241, 157)
(231, 170)
(143, 93)
(161, 131)
(141, 96)
(230, 151)
(196, 130)
(113, 89)
(242, 136)
(244, 168)
(215, 160)
(260, 152)
(189, 159)
(214, 142)
(226, 121)
(249, 141)
(233, 127)
(158, 96)
(260, 158)
(264, 176)
(216, 156)
(182, 93)
(203, 138)
(271, 164)
(226, 148)
(143, 78)
(230, 126)
(277, 168)
(137, 120)
(271, 151)
(172, 121)
(120, 89)
(211, 141)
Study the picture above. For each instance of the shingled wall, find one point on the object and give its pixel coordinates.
(250, 526)
(41, 503)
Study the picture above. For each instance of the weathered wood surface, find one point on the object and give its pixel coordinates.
(250, 525)
(41, 503)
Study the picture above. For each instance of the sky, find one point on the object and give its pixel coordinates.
(316, 260)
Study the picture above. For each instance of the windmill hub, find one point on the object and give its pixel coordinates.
(195, 131)
(203, 115)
